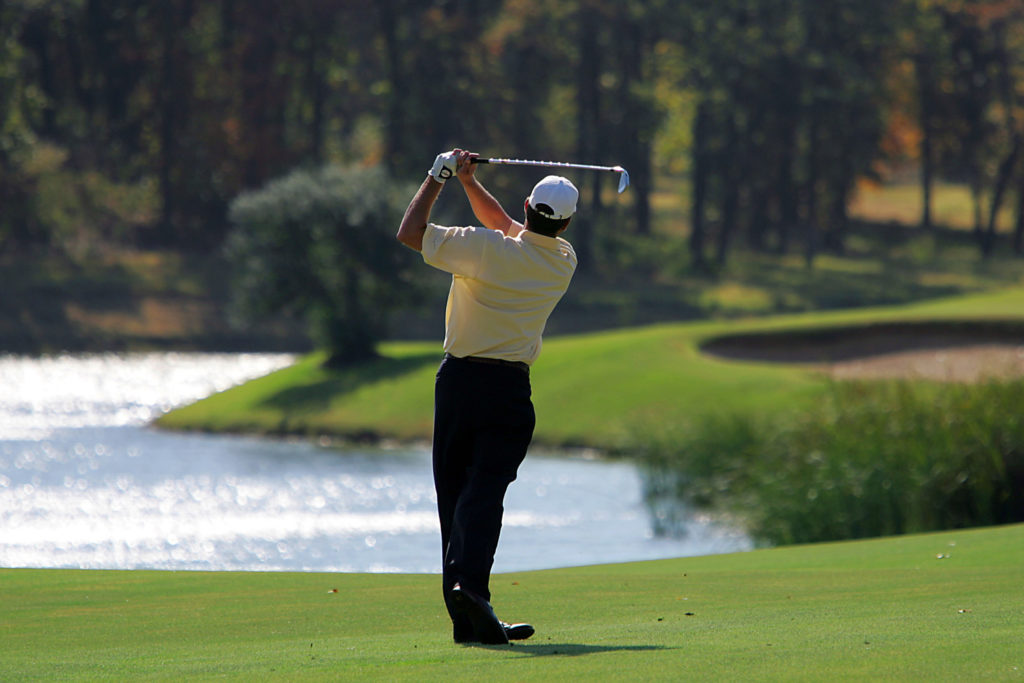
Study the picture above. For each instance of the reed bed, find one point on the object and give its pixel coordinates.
(874, 458)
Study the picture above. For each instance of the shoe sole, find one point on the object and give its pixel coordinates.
(513, 632)
(487, 627)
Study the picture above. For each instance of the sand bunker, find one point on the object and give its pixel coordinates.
(944, 351)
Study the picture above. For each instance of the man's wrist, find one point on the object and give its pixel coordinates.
(445, 166)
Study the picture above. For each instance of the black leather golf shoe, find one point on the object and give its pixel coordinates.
(486, 627)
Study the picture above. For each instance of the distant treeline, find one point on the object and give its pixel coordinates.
(138, 121)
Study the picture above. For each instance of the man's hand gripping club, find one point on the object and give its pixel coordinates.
(445, 166)
(414, 223)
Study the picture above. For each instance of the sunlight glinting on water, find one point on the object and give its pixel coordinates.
(109, 389)
(84, 483)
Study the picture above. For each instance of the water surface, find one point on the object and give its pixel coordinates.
(85, 483)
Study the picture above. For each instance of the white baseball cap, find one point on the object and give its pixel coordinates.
(554, 197)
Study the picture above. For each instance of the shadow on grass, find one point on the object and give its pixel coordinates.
(570, 649)
(317, 396)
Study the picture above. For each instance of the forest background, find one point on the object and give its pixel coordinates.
(749, 129)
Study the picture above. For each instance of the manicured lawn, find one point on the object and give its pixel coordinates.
(945, 606)
(589, 389)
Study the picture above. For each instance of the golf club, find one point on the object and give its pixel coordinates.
(623, 177)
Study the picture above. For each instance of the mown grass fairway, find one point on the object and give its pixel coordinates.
(945, 606)
(589, 389)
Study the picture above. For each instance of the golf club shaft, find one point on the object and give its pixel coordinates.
(557, 164)
(623, 175)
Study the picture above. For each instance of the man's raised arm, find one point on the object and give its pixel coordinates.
(414, 222)
(485, 207)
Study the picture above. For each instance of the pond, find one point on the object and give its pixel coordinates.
(86, 483)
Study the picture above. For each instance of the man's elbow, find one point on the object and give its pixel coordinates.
(410, 237)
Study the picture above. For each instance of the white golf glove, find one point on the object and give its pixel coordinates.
(444, 167)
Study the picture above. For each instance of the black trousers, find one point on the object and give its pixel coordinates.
(483, 424)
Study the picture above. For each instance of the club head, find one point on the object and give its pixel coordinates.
(623, 179)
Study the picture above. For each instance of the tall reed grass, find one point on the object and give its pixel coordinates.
(872, 459)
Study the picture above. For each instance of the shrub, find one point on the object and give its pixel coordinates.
(321, 244)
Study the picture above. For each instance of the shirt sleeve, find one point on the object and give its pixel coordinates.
(458, 251)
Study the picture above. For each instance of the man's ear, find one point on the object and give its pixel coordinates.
(566, 225)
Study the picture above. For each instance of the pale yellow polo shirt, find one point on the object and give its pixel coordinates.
(503, 288)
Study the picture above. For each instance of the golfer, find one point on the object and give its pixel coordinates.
(506, 279)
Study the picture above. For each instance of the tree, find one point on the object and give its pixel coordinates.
(979, 102)
(1001, 21)
(320, 244)
(16, 211)
(928, 48)
(788, 121)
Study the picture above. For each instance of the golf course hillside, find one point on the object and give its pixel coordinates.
(801, 428)
(598, 389)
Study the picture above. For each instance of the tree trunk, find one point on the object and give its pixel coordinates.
(640, 185)
(699, 184)
(977, 210)
(1018, 231)
(839, 222)
(838, 193)
(810, 196)
(1008, 166)
(37, 38)
(925, 88)
(927, 181)
(395, 122)
(1006, 172)
(317, 92)
(168, 101)
(588, 140)
(730, 193)
(636, 134)
(785, 181)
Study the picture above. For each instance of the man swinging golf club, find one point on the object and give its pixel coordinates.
(506, 279)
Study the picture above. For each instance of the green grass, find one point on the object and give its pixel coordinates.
(589, 389)
(942, 606)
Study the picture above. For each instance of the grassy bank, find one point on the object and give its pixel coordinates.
(938, 607)
(589, 389)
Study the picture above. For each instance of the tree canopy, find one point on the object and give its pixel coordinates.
(320, 244)
(140, 121)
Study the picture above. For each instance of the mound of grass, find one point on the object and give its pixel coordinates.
(938, 607)
(586, 390)
(589, 389)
